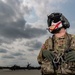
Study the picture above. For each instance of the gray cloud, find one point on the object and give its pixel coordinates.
(3, 51)
(11, 10)
(31, 49)
(12, 22)
(34, 45)
(12, 32)
(34, 32)
(8, 56)
(16, 54)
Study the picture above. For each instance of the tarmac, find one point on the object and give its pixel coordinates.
(23, 72)
(19, 72)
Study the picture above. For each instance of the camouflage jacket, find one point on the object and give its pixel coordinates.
(60, 44)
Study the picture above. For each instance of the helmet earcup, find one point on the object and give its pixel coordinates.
(49, 20)
(65, 22)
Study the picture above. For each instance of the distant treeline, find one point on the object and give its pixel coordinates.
(16, 67)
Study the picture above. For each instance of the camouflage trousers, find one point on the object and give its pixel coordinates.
(50, 55)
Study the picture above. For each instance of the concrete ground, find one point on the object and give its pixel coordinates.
(23, 72)
(20, 72)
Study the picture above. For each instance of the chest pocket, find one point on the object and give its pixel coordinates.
(66, 45)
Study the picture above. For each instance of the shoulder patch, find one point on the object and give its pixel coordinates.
(43, 46)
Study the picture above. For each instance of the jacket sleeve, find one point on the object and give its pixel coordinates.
(44, 47)
(73, 42)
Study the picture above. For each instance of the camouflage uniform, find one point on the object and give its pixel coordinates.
(60, 45)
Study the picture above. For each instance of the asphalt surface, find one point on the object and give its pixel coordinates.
(20, 72)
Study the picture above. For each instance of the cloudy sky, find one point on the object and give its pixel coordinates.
(23, 26)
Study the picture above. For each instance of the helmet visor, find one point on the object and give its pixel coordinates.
(55, 26)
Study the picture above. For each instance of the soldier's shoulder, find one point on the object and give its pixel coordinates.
(48, 39)
(72, 35)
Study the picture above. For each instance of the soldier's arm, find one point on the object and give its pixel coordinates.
(72, 42)
(44, 47)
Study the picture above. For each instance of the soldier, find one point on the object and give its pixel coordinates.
(58, 52)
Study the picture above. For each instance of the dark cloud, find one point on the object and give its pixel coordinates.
(16, 54)
(12, 10)
(19, 32)
(12, 32)
(3, 51)
(34, 45)
(8, 56)
(12, 22)
(22, 58)
(30, 49)
(34, 32)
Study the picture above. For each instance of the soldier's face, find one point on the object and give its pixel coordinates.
(55, 26)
